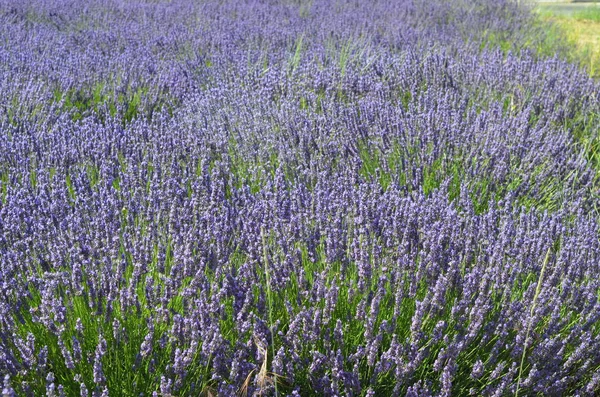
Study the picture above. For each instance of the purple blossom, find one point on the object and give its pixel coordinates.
(7, 390)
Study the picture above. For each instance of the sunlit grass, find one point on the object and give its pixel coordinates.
(591, 13)
(582, 30)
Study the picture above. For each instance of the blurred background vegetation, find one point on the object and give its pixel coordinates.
(580, 24)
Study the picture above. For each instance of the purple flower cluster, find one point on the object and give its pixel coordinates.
(294, 198)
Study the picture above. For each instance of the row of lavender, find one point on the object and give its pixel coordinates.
(294, 198)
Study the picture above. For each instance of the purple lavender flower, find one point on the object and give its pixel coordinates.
(7, 390)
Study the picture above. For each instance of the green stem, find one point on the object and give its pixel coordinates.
(538, 289)
(269, 298)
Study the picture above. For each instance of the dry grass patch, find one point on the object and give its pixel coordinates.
(585, 34)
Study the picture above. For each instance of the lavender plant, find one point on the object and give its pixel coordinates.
(294, 198)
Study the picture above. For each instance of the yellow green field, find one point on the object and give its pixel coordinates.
(582, 29)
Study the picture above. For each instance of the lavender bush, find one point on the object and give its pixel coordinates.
(295, 198)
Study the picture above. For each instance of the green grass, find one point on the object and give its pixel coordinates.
(581, 30)
(98, 100)
(104, 100)
(387, 168)
(591, 13)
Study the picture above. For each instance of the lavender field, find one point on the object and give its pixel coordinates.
(295, 198)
